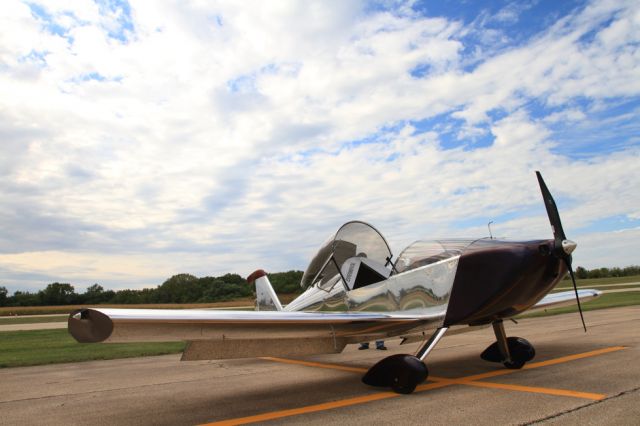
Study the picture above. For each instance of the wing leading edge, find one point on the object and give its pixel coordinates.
(162, 325)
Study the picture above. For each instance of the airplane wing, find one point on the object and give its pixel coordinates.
(233, 334)
(565, 298)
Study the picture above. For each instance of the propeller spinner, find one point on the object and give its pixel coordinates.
(562, 247)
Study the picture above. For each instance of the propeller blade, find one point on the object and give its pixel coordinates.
(552, 211)
(562, 247)
(575, 288)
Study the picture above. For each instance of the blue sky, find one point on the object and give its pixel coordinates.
(144, 139)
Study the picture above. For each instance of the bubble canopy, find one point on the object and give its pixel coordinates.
(352, 239)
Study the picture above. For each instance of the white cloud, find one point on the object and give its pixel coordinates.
(608, 248)
(567, 115)
(228, 136)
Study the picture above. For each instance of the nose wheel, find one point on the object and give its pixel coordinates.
(512, 352)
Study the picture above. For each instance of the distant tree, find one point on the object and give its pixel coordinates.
(286, 282)
(599, 273)
(631, 270)
(181, 288)
(107, 296)
(58, 294)
(95, 294)
(25, 298)
(127, 297)
(233, 279)
(615, 272)
(95, 289)
(581, 273)
(3, 296)
(226, 287)
(148, 295)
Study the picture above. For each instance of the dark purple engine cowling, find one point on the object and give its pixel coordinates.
(498, 279)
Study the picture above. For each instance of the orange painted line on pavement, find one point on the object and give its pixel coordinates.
(321, 407)
(305, 410)
(573, 357)
(437, 382)
(316, 364)
(474, 377)
(533, 389)
(520, 388)
(429, 386)
(544, 363)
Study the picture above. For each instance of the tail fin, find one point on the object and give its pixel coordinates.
(266, 297)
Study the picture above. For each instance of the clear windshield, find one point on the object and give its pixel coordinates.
(352, 239)
(421, 253)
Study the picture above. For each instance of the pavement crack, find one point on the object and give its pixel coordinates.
(562, 413)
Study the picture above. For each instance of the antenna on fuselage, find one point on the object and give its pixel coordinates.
(489, 226)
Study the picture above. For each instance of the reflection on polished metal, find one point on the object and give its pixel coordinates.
(426, 290)
(424, 351)
(568, 246)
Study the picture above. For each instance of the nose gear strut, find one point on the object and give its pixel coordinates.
(512, 352)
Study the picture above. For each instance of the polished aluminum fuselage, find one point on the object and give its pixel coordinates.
(425, 290)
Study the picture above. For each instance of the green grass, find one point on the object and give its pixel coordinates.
(594, 282)
(37, 347)
(610, 300)
(32, 320)
(599, 287)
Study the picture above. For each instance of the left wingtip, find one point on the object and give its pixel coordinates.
(89, 326)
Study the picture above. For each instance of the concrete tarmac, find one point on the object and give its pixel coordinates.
(576, 378)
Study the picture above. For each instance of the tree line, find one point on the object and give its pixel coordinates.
(181, 288)
(186, 288)
(582, 273)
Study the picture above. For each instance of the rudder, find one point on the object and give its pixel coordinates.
(266, 297)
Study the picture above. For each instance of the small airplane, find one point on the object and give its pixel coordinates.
(355, 292)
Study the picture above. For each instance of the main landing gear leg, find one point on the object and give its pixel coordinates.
(431, 343)
(512, 352)
(403, 372)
